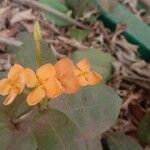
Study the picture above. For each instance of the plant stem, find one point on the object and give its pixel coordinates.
(38, 53)
(37, 41)
(44, 104)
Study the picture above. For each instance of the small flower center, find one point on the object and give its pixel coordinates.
(83, 74)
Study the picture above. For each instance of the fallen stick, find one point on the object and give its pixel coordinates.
(9, 41)
(51, 10)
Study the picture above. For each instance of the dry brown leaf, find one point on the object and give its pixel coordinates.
(73, 43)
(142, 69)
(28, 26)
(23, 15)
(126, 45)
(131, 98)
(6, 61)
(147, 147)
(56, 53)
(136, 112)
(8, 32)
(4, 13)
(119, 29)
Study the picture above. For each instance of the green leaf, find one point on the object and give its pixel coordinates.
(14, 139)
(22, 140)
(26, 54)
(78, 34)
(144, 129)
(4, 131)
(94, 109)
(21, 36)
(58, 5)
(44, 131)
(119, 141)
(48, 130)
(78, 6)
(106, 5)
(100, 61)
(3, 74)
(93, 144)
(53, 130)
(17, 108)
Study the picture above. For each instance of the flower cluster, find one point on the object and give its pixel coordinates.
(48, 80)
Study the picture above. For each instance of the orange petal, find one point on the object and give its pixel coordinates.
(84, 65)
(65, 74)
(14, 72)
(83, 80)
(93, 78)
(36, 96)
(53, 88)
(4, 87)
(20, 85)
(45, 71)
(30, 78)
(10, 98)
(77, 71)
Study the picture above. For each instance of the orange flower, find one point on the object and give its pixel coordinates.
(13, 84)
(65, 74)
(44, 82)
(85, 75)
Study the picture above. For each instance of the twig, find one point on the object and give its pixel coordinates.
(73, 43)
(10, 41)
(51, 10)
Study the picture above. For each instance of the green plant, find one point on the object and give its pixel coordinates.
(71, 121)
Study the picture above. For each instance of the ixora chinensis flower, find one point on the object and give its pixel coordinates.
(12, 85)
(44, 83)
(85, 75)
(48, 81)
(66, 75)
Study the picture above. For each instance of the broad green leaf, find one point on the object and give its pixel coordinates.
(3, 74)
(78, 6)
(17, 108)
(14, 138)
(93, 144)
(105, 5)
(26, 54)
(58, 5)
(4, 132)
(94, 109)
(119, 141)
(53, 130)
(78, 34)
(100, 61)
(144, 129)
(49, 130)
(22, 140)
(21, 36)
